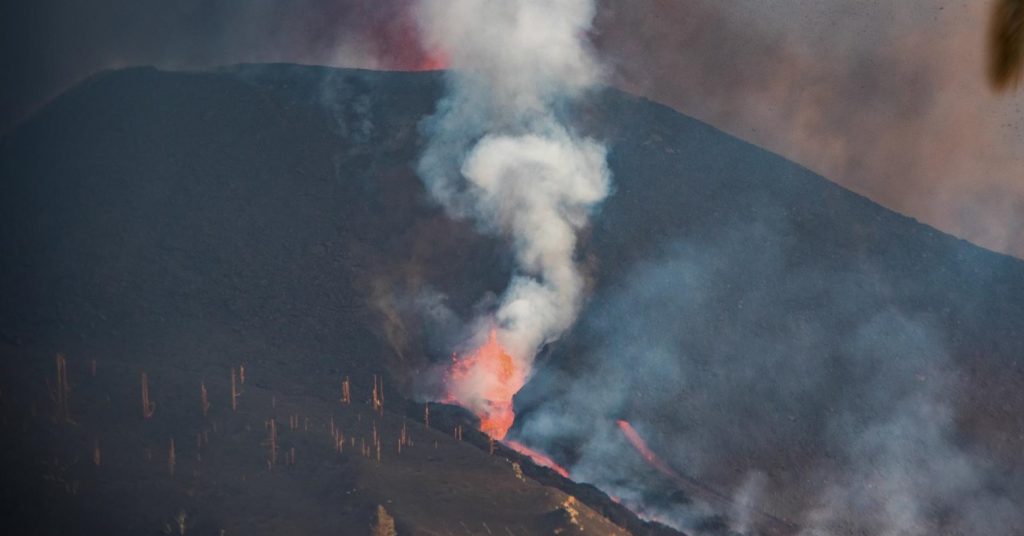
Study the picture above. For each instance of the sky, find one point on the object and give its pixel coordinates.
(888, 99)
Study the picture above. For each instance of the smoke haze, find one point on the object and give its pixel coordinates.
(49, 45)
(889, 99)
(848, 434)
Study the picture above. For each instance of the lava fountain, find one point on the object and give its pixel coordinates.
(484, 382)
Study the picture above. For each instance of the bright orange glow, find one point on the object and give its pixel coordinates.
(390, 31)
(538, 458)
(649, 455)
(431, 61)
(484, 382)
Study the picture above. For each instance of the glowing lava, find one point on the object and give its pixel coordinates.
(649, 455)
(538, 458)
(391, 35)
(430, 61)
(688, 484)
(484, 382)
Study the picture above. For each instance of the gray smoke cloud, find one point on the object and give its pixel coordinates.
(499, 152)
(787, 423)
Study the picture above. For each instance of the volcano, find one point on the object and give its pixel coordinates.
(183, 224)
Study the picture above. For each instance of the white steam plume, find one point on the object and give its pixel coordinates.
(498, 152)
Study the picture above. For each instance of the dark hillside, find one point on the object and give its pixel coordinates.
(185, 223)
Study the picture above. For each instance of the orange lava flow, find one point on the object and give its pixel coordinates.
(649, 455)
(686, 483)
(484, 382)
(538, 458)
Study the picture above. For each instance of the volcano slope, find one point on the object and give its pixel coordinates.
(189, 283)
(775, 338)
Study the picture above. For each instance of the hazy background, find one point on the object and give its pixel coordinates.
(886, 98)
(889, 99)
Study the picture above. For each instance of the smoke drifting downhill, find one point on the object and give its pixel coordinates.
(834, 419)
(499, 153)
